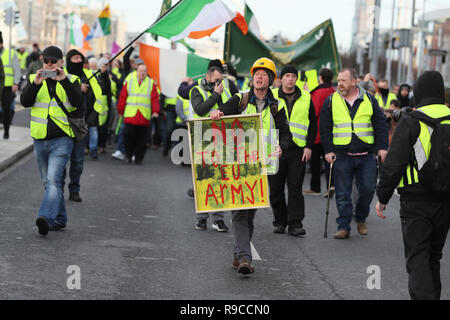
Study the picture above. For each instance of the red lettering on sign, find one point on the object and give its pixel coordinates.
(252, 201)
(239, 173)
(262, 189)
(237, 191)
(223, 172)
(210, 193)
(203, 158)
(222, 130)
(223, 187)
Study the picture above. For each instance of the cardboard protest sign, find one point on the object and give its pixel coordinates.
(228, 167)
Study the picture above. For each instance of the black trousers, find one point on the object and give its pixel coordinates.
(7, 99)
(135, 139)
(291, 169)
(317, 156)
(157, 136)
(424, 226)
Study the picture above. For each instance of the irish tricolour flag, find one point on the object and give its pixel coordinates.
(102, 26)
(169, 67)
(192, 19)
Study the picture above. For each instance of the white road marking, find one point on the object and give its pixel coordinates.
(255, 255)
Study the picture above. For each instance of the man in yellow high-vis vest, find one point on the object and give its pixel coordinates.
(425, 215)
(384, 96)
(277, 136)
(353, 132)
(300, 113)
(11, 65)
(53, 137)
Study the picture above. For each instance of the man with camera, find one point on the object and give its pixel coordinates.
(205, 97)
(353, 131)
(417, 165)
(52, 135)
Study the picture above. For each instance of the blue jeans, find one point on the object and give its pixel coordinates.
(76, 166)
(93, 139)
(52, 156)
(364, 170)
(120, 141)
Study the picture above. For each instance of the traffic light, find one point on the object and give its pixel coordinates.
(16, 17)
(8, 16)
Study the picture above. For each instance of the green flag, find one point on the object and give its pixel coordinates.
(315, 50)
(166, 4)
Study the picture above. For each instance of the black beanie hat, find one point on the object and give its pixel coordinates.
(289, 69)
(215, 63)
(52, 52)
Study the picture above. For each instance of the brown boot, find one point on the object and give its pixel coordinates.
(342, 234)
(235, 265)
(245, 267)
(362, 228)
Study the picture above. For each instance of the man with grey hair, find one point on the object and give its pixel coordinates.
(353, 131)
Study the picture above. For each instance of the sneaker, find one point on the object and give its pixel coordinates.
(133, 158)
(118, 155)
(42, 225)
(201, 225)
(311, 192)
(219, 226)
(190, 192)
(296, 232)
(279, 229)
(57, 227)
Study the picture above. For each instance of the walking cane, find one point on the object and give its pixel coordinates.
(328, 201)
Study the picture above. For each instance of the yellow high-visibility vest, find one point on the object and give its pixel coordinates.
(139, 97)
(390, 97)
(299, 119)
(185, 109)
(344, 125)
(7, 59)
(45, 107)
(422, 146)
(226, 95)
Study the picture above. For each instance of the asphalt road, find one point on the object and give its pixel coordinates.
(133, 237)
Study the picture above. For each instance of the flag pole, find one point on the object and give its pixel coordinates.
(140, 35)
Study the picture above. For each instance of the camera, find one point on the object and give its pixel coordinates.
(397, 114)
(48, 74)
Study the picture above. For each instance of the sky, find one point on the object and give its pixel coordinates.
(292, 18)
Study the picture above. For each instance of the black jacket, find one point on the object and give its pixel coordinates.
(429, 89)
(231, 107)
(185, 88)
(356, 145)
(74, 95)
(312, 128)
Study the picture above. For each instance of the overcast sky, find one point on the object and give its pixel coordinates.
(292, 18)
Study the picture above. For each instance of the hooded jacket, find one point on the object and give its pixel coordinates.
(428, 89)
(404, 100)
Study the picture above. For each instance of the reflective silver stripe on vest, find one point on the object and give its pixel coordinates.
(227, 88)
(298, 136)
(63, 119)
(52, 104)
(39, 120)
(419, 151)
(362, 125)
(365, 134)
(342, 134)
(343, 125)
(203, 91)
(298, 126)
(139, 105)
(9, 74)
(138, 95)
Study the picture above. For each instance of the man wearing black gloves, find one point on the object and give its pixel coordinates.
(300, 113)
(424, 212)
(51, 132)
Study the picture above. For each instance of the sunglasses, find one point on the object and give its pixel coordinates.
(50, 60)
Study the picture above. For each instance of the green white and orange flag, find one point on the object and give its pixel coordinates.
(102, 26)
(169, 67)
(192, 19)
(78, 32)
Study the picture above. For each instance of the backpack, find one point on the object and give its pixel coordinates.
(435, 173)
